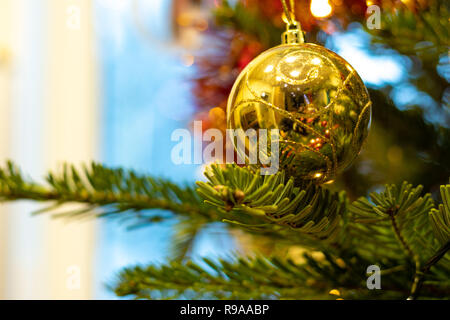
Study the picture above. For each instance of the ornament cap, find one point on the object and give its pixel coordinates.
(293, 34)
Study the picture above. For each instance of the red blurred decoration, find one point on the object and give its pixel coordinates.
(248, 53)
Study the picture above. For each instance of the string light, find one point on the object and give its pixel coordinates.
(335, 292)
(321, 8)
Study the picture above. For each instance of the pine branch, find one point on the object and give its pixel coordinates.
(292, 214)
(420, 275)
(261, 278)
(272, 204)
(275, 278)
(185, 233)
(245, 279)
(440, 221)
(440, 218)
(403, 29)
(106, 192)
(398, 215)
(413, 220)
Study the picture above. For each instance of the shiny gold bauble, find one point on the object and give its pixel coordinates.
(314, 97)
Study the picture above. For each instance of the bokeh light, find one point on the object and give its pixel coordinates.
(321, 8)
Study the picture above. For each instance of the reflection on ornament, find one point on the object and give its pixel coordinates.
(316, 100)
(269, 68)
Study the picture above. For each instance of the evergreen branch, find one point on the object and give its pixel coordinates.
(245, 279)
(270, 203)
(419, 277)
(185, 233)
(413, 219)
(267, 204)
(261, 278)
(113, 191)
(401, 239)
(440, 218)
(402, 29)
(440, 221)
(396, 215)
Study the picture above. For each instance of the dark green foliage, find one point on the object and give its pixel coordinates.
(391, 230)
(440, 218)
(258, 278)
(270, 203)
(402, 28)
(406, 211)
(397, 229)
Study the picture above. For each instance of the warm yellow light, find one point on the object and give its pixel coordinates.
(5, 55)
(269, 68)
(295, 73)
(184, 20)
(291, 59)
(335, 292)
(321, 8)
(316, 61)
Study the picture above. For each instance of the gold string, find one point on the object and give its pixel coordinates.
(289, 12)
(292, 2)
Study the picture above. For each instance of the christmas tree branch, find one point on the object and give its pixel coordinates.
(413, 256)
(119, 193)
(244, 279)
(402, 29)
(273, 204)
(424, 226)
(440, 220)
(397, 215)
(262, 204)
(297, 216)
(110, 191)
(254, 278)
(419, 277)
(320, 276)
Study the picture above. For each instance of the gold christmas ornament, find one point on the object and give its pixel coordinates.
(313, 96)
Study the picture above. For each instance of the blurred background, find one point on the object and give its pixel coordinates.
(109, 80)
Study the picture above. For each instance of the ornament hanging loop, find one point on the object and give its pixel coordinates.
(294, 33)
